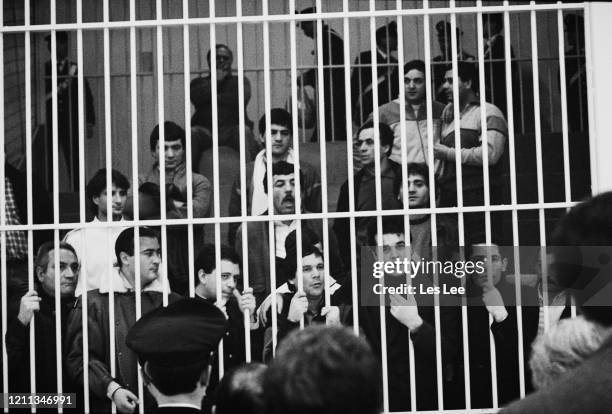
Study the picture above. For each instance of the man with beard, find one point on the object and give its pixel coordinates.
(283, 197)
(122, 387)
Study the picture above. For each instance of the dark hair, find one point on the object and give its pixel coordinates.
(42, 256)
(125, 240)
(415, 64)
(384, 132)
(386, 31)
(587, 225)
(205, 258)
(241, 390)
(174, 380)
(418, 168)
(309, 239)
(172, 132)
(97, 184)
(278, 116)
(280, 168)
(338, 373)
(466, 71)
(495, 18)
(220, 46)
(390, 225)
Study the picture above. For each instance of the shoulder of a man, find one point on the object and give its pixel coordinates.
(585, 389)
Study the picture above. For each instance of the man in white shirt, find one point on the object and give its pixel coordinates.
(95, 245)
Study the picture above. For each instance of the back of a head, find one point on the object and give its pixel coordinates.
(241, 390)
(324, 370)
(586, 230)
(563, 347)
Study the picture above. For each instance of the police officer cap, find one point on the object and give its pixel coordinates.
(184, 333)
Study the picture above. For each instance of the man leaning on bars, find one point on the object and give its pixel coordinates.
(38, 305)
(122, 388)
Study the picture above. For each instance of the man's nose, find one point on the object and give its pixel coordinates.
(411, 188)
(231, 283)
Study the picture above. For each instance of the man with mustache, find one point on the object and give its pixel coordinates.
(283, 197)
(39, 305)
(281, 135)
(123, 386)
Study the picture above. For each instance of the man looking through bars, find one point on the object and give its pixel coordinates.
(416, 124)
(39, 305)
(92, 243)
(281, 134)
(228, 109)
(410, 316)
(176, 200)
(283, 196)
(122, 388)
(365, 187)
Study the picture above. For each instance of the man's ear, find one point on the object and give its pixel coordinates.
(504, 264)
(124, 258)
(468, 84)
(384, 150)
(202, 276)
(96, 200)
(205, 376)
(39, 273)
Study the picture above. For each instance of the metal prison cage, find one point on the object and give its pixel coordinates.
(135, 60)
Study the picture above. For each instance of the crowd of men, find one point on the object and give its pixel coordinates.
(104, 272)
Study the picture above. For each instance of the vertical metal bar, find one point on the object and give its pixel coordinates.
(161, 146)
(485, 172)
(215, 133)
(296, 153)
(377, 173)
(188, 150)
(3, 252)
(538, 142)
(108, 143)
(28, 142)
(597, 181)
(271, 232)
(351, 180)
(83, 260)
(513, 197)
(322, 147)
(243, 186)
(460, 224)
(563, 97)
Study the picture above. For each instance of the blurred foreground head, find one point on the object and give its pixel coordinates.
(324, 370)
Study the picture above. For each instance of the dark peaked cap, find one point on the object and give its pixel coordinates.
(184, 333)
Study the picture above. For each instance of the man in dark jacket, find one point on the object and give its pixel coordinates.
(39, 305)
(120, 386)
(581, 267)
(490, 296)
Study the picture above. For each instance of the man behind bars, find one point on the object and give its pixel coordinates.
(92, 243)
(228, 109)
(471, 150)
(39, 305)
(416, 123)
(332, 84)
(175, 347)
(364, 184)
(283, 197)
(281, 134)
(176, 200)
(308, 299)
(491, 296)
(362, 85)
(233, 303)
(119, 387)
(409, 316)
(583, 267)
